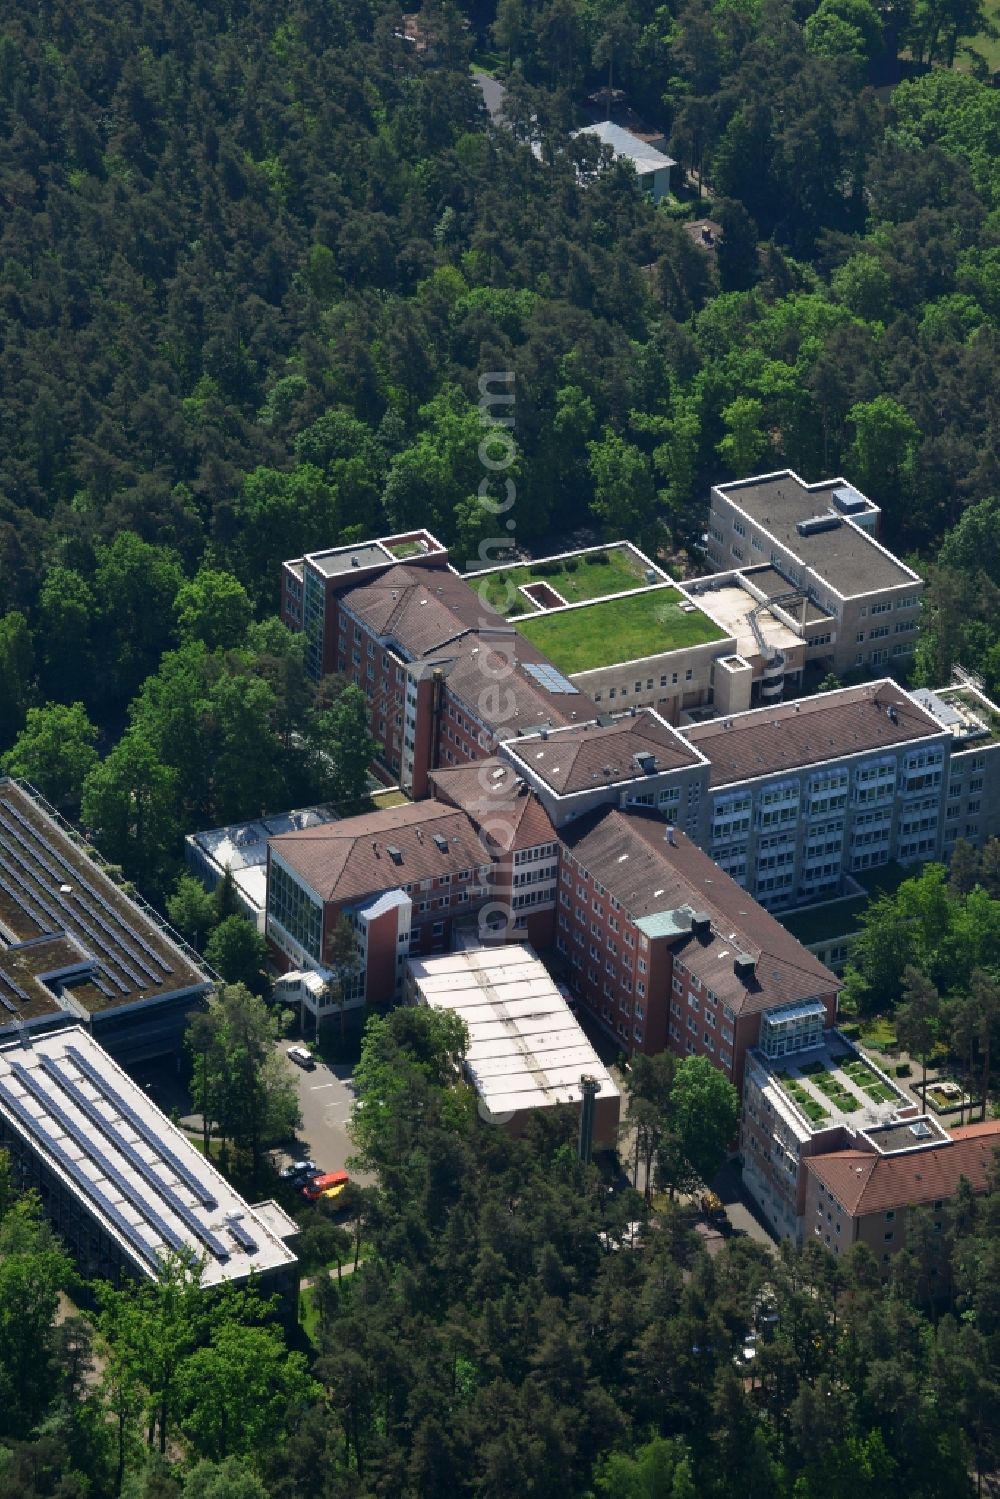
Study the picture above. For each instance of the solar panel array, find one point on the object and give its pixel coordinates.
(32, 872)
(151, 1174)
(142, 1129)
(108, 1210)
(548, 677)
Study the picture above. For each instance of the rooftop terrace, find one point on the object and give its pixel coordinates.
(831, 1086)
(966, 711)
(605, 633)
(572, 578)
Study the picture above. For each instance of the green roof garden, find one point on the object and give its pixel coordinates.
(586, 575)
(614, 630)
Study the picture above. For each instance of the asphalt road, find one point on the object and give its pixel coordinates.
(325, 1098)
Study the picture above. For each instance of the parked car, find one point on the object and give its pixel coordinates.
(299, 1169)
(302, 1057)
(320, 1186)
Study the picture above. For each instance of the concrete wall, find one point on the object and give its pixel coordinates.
(648, 682)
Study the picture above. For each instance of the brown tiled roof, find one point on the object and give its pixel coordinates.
(497, 801)
(593, 754)
(863, 1182)
(422, 609)
(791, 735)
(485, 671)
(628, 853)
(436, 617)
(344, 861)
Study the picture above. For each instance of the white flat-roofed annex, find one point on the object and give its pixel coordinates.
(142, 1221)
(526, 1051)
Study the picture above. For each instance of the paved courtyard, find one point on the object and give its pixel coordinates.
(326, 1097)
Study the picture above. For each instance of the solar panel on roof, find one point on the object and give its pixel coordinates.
(21, 901)
(95, 894)
(169, 1196)
(89, 1188)
(71, 920)
(93, 1153)
(111, 1095)
(239, 1233)
(548, 677)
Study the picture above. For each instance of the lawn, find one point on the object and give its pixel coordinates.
(877, 1032)
(604, 634)
(986, 46)
(869, 1083)
(391, 797)
(834, 1089)
(842, 918)
(810, 1106)
(577, 578)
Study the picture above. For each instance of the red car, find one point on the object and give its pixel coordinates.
(320, 1185)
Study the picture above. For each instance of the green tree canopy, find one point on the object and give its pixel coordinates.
(55, 751)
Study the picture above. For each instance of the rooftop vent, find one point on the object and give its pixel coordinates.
(701, 923)
(669, 835)
(395, 854)
(849, 500)
(645, 761)
(651, 575)
(441, 842)
(892, 713)
(921, 1129)
(743, 966)
(355, 562)
(817, 523)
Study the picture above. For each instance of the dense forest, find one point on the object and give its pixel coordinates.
(516, 1327)
(254, 260)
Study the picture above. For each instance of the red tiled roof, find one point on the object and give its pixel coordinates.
(344, 861)
(628, 853)
(791, 735)
(863, 1182)
(497, 801)
(594, 754)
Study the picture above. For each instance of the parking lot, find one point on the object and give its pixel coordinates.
(325, 1098)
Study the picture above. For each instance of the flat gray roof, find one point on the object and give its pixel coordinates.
(350, 559)
(135, 1172)
(845, 556)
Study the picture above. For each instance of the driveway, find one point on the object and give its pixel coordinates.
(493, 93)
(325, 1098)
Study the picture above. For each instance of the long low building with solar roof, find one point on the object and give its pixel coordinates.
(75, 946)
(120, 1183)
(526, 1051)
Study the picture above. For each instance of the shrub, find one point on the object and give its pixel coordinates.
(546, 569)
(598, 559)
(903, 1069)
(571, 564)
(851, 1032)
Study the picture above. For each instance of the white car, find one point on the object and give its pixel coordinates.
(301, 1057)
